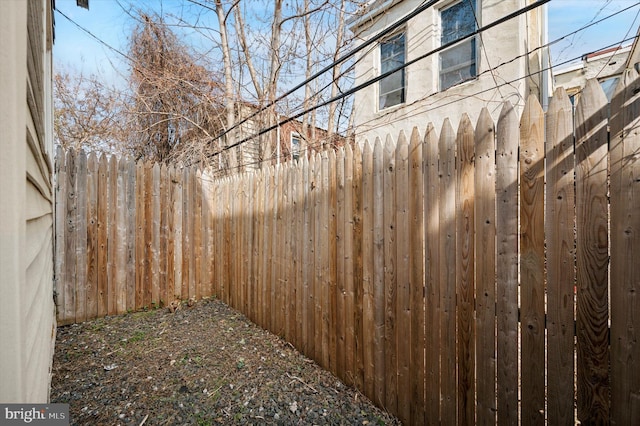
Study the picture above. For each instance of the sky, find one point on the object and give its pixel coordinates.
(110, 23)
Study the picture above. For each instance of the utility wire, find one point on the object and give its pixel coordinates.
(506, 83)
(338, 61)
(386, 74)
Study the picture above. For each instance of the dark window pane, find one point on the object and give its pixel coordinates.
(458, 64)
(457, 21)
(392, 56)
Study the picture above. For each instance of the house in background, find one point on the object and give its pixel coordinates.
(502, 63)
(27, 314)
(606, 65)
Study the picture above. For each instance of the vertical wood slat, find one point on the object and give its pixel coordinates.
(81, 237)
(318, 239)
(560, 245)
(187, 244)
(485, 196)
(92, 236)
(447, 217)
(416, 278)
(341, 228)
(357, 266)
(130, 200)
(307, 257)
(403, 305)
(323, 256)
(140, 276)
(349, 302)
(165, 208)
(176, 201)
(625, 244)
(432, 279)
(70, 240)
(171, 235)
(507, 142)
(367, 271)
(389, 218)
(378, 272)
(196, 291)
(112, 229)
(61, 280)
(592, 310)
(333, 266)
(298, 249)
(103, 240)
(465, 270)
(120, 259)
(532, 261)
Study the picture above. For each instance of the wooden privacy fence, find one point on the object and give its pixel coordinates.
(452, 278)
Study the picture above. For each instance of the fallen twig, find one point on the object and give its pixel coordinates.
(301, 381)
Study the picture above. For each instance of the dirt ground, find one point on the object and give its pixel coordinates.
(200, 365)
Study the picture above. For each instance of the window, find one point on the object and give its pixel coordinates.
(392, 56)
(295, 146)
(458, 62)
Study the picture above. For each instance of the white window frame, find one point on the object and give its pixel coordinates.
(403, 87)
(474, 41)
(295, 153)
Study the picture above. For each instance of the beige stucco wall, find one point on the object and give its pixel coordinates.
(424, 103)
(27, 316)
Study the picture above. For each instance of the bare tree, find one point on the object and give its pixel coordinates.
(176, 101)
(87, 113)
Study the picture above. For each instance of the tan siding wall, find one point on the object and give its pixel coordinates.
(27, 327)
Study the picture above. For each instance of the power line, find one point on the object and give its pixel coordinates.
(386, 74)
(338, 61)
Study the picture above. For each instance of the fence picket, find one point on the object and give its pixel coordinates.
(378, 272)
(92, 237)
(61, 280)
(507, 142)
(81, 237)
(103, 235)
(389, 217)
(403, 297)
(532, 260)
(560, 242)
(592, 310)
(120, 259)
(485, 227)
(416, 278)
(447, 216)
(349, 302)
(431, 265)
(130, 199)
(368, 324)
(625, 243)
(341, 229)
(465, 272)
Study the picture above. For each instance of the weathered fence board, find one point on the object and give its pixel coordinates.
(436, 274)
(592, 310)
(507, 142)
(561, 275)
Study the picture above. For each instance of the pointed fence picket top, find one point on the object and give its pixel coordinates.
(396, 266)
(560, 243)
(625, 243)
